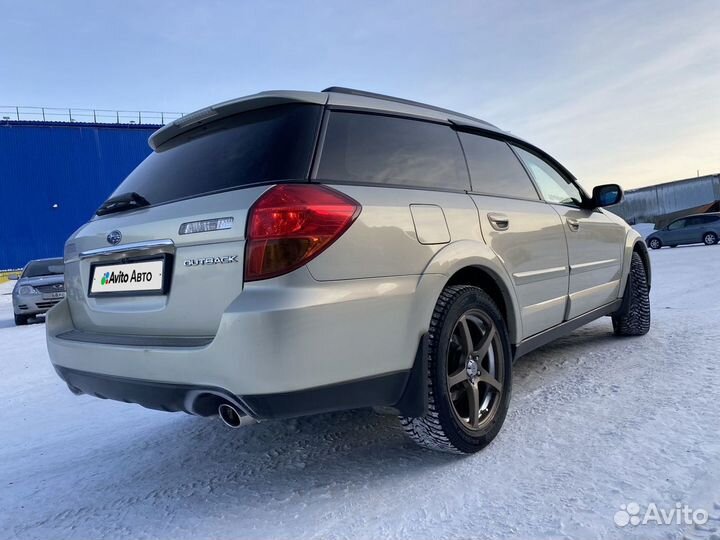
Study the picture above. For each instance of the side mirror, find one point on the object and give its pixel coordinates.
(606, 195)
(14, 277)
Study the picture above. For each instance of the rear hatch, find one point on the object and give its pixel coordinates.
(165, 257)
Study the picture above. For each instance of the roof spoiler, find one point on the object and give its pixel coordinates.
(229, 108)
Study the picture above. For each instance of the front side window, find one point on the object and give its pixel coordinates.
(679, 224)
(375, 149)
(553, 186)
(264, 145)
(494, 169)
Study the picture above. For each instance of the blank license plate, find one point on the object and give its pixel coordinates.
(144, 277)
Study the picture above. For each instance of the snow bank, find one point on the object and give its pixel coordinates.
(645, 229)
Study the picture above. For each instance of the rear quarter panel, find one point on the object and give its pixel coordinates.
(384, 241)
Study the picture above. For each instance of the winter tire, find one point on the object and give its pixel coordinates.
(469, 374)
(21, 320)
(635, 318)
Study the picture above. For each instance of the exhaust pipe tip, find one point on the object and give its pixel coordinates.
(230, 416)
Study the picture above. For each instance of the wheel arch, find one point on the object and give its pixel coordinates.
(634, 243)
(488, 281)
(469, 262)
(651, 238)
(709, 231)
(641, 249)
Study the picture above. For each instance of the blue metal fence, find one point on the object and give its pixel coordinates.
(54, 175)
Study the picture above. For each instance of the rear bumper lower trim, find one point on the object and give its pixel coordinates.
(381, 391)
(170, 397)
(136, 340)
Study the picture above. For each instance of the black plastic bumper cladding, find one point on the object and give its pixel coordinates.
(153, 395)
(402, 392)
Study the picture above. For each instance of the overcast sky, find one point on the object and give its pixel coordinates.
(625, 91)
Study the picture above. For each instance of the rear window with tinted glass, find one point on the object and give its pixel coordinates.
(376, 149)
(264, 145)
(494, 168)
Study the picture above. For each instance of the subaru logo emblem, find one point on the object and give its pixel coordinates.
(114, 237)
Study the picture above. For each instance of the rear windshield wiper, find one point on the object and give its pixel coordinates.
(120, 203)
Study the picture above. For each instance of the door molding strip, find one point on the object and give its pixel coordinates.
(594, 265)
(522, 278)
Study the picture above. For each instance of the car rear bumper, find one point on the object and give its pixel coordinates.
(278, 348)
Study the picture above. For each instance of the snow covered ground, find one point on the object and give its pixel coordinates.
(595, 422)
(645, 229)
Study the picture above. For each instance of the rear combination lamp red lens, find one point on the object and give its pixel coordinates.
(290, 224)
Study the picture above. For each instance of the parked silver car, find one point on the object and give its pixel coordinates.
(290, 253)
(694, 229)
(40, 287)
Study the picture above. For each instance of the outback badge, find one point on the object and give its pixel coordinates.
(225, 259)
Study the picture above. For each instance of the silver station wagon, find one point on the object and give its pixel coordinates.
(290, 253)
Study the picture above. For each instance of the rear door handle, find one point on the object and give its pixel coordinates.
(574, 224)
(499, 222)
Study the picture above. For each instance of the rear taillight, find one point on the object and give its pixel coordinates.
(292, 223)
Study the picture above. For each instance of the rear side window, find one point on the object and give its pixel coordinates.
(264, 145)
(699, 220)
(494, 169)
(370, 148)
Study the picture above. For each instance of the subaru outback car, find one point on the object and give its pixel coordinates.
(289, 253)
(39, 288)
(695, 229)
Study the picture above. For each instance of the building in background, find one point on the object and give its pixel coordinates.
(662, 203)
(54, 175)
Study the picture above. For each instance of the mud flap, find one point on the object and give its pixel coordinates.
(414, 399)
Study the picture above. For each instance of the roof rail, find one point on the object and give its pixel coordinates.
(355, 92)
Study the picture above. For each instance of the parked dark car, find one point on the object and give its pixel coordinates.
(40, 287)
(695, 229)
